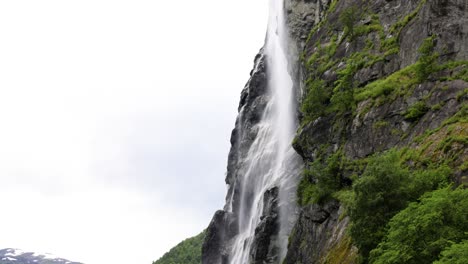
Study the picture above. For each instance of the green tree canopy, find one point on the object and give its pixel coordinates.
(423, 230)
(186, 252)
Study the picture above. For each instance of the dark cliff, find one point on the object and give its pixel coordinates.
(376, 75)
(379, 82)
(253, 101)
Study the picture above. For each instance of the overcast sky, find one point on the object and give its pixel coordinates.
(115, 118)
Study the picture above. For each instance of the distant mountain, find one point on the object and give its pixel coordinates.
(16, 256)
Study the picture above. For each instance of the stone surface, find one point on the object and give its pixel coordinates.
(374, 128)
(224, 226)
(264, 249)
(369, 129)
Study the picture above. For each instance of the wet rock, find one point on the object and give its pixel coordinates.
(264, 250)
(318, 229)
(224, 225)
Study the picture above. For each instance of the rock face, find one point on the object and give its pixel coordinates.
(223, 227)
(16, 256)
(374, 126)
(263, 249)
(384, 40)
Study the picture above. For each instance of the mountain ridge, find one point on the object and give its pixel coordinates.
(17, 256)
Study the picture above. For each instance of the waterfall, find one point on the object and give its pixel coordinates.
(270, 162)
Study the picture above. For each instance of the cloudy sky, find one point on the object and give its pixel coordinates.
(115, 118)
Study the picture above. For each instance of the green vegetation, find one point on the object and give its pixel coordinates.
(343, 95)
(349, 18)
(390, 43)
(416, 111)
(396, 84)
(342, 99)
(186, 252)
(427, 59)
(422, 231)
(342, 252)
(455, 254)
(385, 188)
(319, 96)
(321, 181)
(401, 82)
(402, 206)
(402, 23)
(374, 25)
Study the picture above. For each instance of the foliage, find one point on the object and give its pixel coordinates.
(416, 111)
(396, 84)
(348, 18)
(393, 180)
(398, 26)
(374, 25)
(427, 59)
(186, 252)
(456, 254)
(320, 180)
(459, 71)
(422, 231)
(314, 104)
(342, 99)
(379, 194)
(385, 188)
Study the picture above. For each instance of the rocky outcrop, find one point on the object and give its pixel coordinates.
(224, 226)
(264, 250)
(318, 229)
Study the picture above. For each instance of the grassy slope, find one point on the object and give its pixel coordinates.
(186, 252)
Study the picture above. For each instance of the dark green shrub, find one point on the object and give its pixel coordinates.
(422, 231)
(316, 100)
(343, 94)
(456, 254)
(416, 111)
(427, 59)
(349, 18)
(385, 188)
(320, 181)
(379, 194)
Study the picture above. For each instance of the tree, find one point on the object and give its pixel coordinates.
(422, 231)
(456, 254)
(380, 193)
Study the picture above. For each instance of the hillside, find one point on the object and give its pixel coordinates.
(383, 133)
(186, 252)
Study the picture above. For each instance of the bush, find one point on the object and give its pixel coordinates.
(427, 59)
(416, 111)
(422, 231)
(321, 181)
(318, 96)
(385, 188)
(343, 94)
(348, 18)
(456, 254)
(379, 194)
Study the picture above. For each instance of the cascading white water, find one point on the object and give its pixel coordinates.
(269, 160)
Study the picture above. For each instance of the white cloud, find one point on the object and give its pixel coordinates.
(115, 119)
